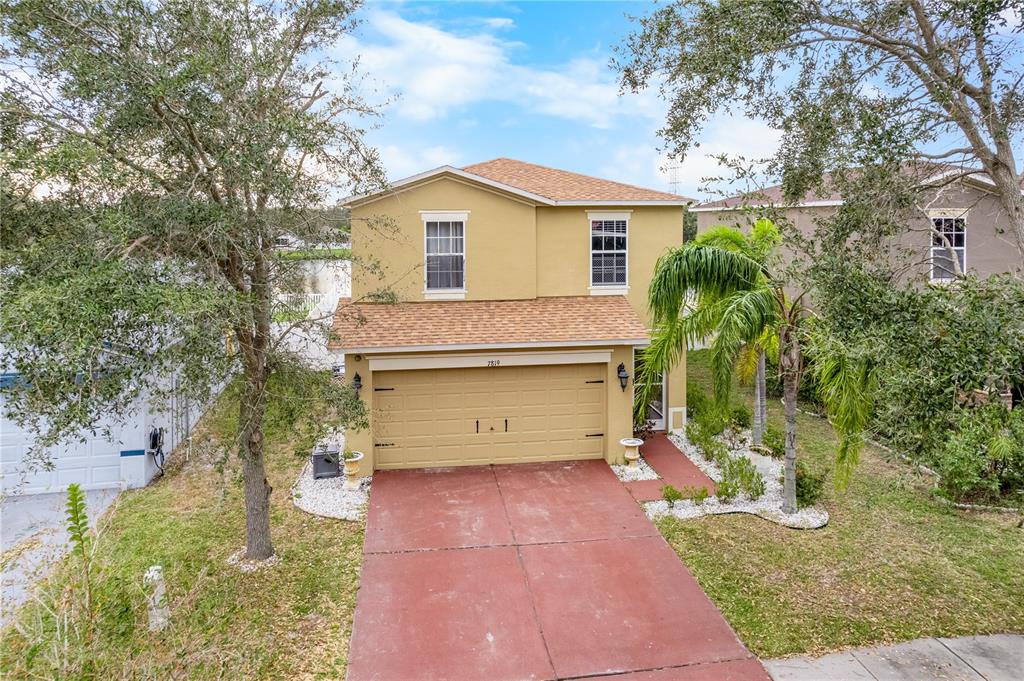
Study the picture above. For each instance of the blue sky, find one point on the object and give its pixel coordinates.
(477, 80)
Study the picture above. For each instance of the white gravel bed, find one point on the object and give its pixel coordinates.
(642, 471)
(238, 560)
(769, 506)
(328, 497)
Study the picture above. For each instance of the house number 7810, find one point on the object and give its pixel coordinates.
(494, 362)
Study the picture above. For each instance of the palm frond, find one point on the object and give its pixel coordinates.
(721, 236)
(744, 317)
(764, 237)
(746, 363)
(846, 386)
(668, 343)
(705, 270)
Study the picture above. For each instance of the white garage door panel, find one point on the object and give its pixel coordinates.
(448, 417)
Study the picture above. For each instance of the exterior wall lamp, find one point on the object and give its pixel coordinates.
(623, 376)
(357, 382)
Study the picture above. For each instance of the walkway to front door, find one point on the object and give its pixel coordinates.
(529, 571)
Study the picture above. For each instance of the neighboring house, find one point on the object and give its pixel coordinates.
(964, 209)
(522, 302)
(115, 455)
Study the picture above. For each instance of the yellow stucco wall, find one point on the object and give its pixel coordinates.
(514, 250)
(500, 239)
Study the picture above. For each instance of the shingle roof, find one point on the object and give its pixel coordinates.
(559, 320)
(562, 185)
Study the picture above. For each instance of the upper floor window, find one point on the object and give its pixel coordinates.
(955, 232)
(446, 254)
(608, 250)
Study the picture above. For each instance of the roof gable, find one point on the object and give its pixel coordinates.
(536, 184)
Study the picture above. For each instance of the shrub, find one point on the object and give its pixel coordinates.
(985, 456)
(697, 401)
(739, 474)
(808, 485)
(671, 495)
(775, 441)
(727, 489)
(712, 420)
(740, 417)
(696, 494)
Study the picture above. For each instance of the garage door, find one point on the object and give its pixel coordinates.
(452, 417)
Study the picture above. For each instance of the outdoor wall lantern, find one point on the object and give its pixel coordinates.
(623, 376)
(357, 382)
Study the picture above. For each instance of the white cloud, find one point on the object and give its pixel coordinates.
(498, 22)
(403, 161)
(435, 71)
(729, 135)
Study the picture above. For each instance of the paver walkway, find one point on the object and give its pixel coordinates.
(532, 571)
(969, 658)
(674, 468)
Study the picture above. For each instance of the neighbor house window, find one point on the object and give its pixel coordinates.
(446, 254)
(954, 229)
(608, 251)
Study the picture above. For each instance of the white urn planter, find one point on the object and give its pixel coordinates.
(632, 445)
(352, 460)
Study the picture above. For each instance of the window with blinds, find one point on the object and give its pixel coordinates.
(446, 255)
(608, 252)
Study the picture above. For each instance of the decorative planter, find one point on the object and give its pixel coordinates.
(632, 445)
(326, 463)
(352, 470)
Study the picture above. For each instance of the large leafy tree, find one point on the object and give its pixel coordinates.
(848, 83)
(154, 153)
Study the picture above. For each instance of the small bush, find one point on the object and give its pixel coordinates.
(739, 474)
(696, 494)
(697, 401)
(671, 495)
(809, 486)
(740, 417)
(712, 420)
(775, 441)
(727, 489)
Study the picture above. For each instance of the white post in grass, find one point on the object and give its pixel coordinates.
(156, 598)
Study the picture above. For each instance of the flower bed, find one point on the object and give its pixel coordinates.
(767, 506)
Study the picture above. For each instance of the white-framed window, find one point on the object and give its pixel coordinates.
(444, 242)
(954, 228)
(609, 250)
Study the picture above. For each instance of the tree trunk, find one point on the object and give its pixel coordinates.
(789, 365)
(789, 470)
(760, 401)
(257, 490)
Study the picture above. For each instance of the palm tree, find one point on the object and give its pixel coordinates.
(738, 299)
(747, 357)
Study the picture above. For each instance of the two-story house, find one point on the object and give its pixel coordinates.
(962, 208)
(521, 315)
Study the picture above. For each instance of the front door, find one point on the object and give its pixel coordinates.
(656, 407)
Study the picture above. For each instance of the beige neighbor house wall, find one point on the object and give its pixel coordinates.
(990, 246)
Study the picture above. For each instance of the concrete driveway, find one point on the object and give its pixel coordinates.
(33, 536)
(532, 571)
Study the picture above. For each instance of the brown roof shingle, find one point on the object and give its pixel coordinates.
(556, 320)
(562, 185)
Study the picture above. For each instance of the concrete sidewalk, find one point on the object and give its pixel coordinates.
(999, 657)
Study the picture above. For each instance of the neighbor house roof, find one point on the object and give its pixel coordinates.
(468, 324)
(938, 174)
(541, 185)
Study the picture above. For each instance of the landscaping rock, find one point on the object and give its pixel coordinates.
(642, 471)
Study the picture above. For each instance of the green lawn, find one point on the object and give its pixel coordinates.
(316, 254)
(893, 564)
(288, 621)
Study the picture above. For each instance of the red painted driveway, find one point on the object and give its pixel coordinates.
(534, 571)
